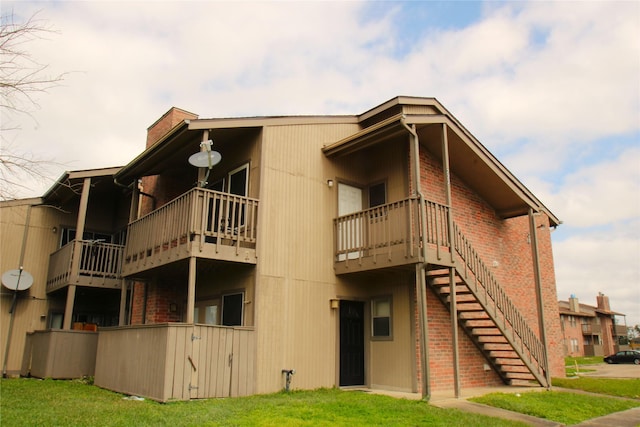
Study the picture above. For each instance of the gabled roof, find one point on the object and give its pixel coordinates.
(469, 159)
(181, 139)
(586, 310)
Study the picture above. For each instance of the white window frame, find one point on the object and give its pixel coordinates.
(389, 300)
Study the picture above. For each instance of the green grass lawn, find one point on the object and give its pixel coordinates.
(571, 408)
(629, 388)
(583, 360)
(563, 407)
(572, 372)
(28, 401)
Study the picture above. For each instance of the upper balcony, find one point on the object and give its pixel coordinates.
(390, 235)
(85, 263)
(620, 330)
(200, 223)
(589, 329)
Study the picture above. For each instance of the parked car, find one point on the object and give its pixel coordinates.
(628, 356)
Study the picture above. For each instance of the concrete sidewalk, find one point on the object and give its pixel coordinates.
(628, 418)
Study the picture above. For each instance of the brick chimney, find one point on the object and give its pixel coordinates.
(155, 132)
(574, 305)
(165, 123)
(603, 302)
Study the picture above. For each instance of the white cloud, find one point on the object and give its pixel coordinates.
(602, 193)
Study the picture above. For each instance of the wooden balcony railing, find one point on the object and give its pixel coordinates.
(382, 236)
(202, 223)
(588, 329)
(620, 330)
(86, 263)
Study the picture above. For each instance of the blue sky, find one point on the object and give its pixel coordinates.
(551, 88)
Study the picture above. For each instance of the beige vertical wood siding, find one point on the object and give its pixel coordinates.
(176, 361)
(295, 250)
(60, 354)
(295, 326)
(32, 307)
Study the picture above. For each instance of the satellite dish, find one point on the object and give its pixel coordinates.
(204, 159)
(17, 280)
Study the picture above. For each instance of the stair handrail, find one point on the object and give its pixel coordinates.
(501, 300)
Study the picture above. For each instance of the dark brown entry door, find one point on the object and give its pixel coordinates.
(351, 343)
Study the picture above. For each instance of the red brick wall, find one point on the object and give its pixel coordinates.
(159, 299)
(137, 307)
(573, 332)
(160, 296)
(608, 343)
(471, 361)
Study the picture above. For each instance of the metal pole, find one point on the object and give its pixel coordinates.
(11, 317)
(23, 247)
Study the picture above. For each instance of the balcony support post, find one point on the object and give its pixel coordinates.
(68, 308)
(82, 210)
(454, 330)
(447, 188)
(421, 278)
(82, 217)
(123, 302)
(421, 296)
(191, 290)
(533, 231)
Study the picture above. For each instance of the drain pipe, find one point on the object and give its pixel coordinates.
(288, 374)
(421, 286)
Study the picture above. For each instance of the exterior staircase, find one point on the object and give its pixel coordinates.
(488, 316)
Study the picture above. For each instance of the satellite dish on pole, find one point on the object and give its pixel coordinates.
(205, 159)
(17, 280)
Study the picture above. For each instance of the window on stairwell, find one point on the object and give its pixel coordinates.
(381, 318)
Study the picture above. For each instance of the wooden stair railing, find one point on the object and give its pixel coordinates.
(489, 317)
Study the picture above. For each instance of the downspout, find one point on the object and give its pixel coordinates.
(421, 287)
(135, 191)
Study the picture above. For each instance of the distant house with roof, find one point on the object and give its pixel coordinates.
(592, 330)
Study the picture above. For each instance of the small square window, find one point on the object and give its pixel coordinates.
(377, 194)
(381, 317)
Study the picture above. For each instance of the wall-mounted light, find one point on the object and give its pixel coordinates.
(330, 183)
(54, 230)
(334, 303)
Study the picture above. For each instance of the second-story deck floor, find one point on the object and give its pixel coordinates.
(200, 223)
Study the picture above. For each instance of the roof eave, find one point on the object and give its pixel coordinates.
(132, 170)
